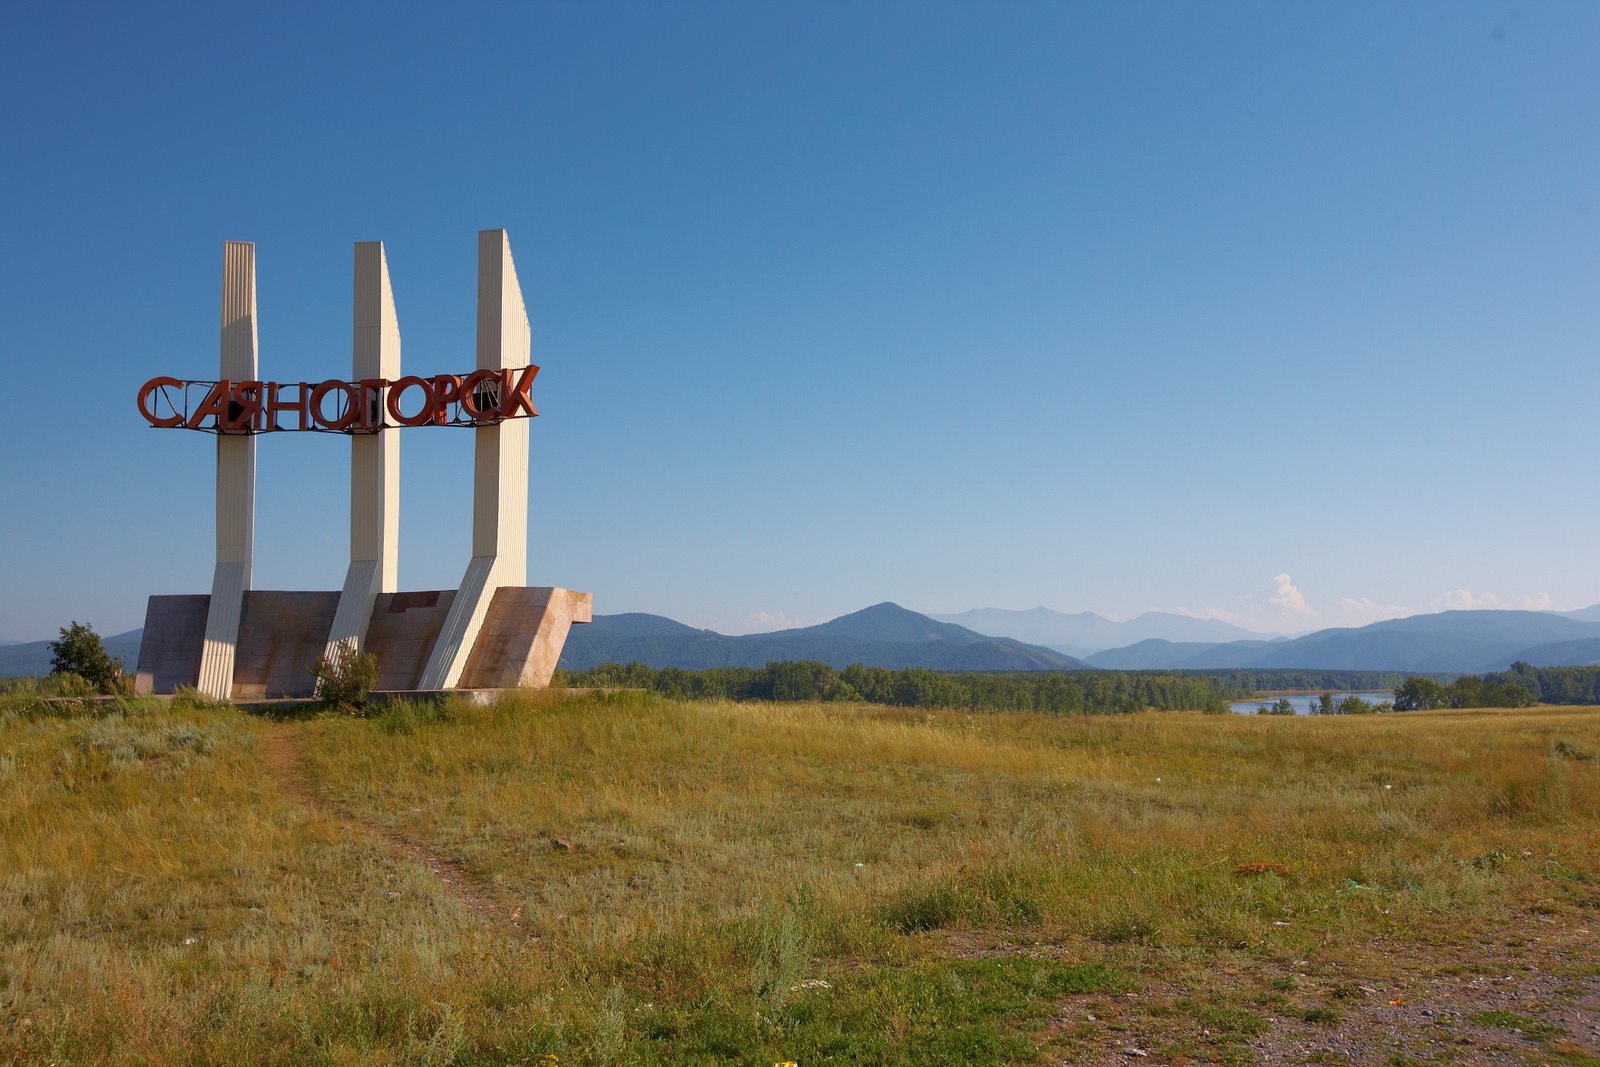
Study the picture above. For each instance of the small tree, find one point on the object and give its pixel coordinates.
(1354, 705)
(345, 678)
(1419, 694)
(79, 651)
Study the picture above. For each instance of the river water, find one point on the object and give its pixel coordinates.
(1302, 701)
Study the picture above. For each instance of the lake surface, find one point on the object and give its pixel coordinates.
(1302, 701)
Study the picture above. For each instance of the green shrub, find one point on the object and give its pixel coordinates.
(71, 684)
(345, 678)
(78, 651)
(187, 697)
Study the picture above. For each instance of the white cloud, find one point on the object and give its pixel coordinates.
(1360, 610)
(772, 620)
(1201, 613)
(1467, 600)
(1284, 607)
(1464, 600)
(761, 622)
(1286, 596)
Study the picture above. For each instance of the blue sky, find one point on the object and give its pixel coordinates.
(1283, 313)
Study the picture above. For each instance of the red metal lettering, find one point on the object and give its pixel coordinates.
(244, 407)
(215, 404)
(446, 391)
(320, 392)
(145, 392)
(398, 388)
(483, 398)
(518, 396)
(471, 393)
(270, 409)
(372, 403)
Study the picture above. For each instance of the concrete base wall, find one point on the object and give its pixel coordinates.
(174, 633)
(402, 633)
(281, 634)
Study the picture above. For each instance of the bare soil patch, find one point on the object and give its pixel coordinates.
(1526, 997)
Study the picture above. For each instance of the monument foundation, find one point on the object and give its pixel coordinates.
(493, 632)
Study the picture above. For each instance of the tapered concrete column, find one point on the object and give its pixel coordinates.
(236, 478)
(500, 478)
(374, 457)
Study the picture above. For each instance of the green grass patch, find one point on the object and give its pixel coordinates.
(962, 1011)
(1527, 1025)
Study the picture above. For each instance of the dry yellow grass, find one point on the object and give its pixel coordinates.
(682, 875)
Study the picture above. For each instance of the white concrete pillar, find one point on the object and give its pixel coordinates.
(236, 478)
(374, 457)
(500, 470)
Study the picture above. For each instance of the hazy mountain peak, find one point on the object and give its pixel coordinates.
(1588, 614)
(1087, 630)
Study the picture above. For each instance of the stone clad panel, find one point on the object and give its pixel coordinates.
(522, 636)
(169, 651)
(402, 633)
(281, 634)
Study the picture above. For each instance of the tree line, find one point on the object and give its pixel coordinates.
(1059, 692)
(1552, 685)
(1468, 691)
(1254, 680)
(1519, 686)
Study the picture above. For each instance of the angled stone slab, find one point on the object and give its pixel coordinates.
(522, 637)
(500, 469)
(374, 457)
(236, 478)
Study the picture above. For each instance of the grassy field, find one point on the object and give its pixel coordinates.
(620, 880)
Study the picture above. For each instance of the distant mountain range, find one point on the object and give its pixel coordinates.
(1157, 654)
(887, 635)
(891, 636)
(884, 635)
(1465, 641)
(1082, 633)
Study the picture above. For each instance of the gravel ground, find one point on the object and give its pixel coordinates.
(1524, 1000)
(1527, 998)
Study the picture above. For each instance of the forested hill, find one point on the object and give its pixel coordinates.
(884, 635)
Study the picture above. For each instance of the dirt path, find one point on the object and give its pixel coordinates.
(286, 763)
